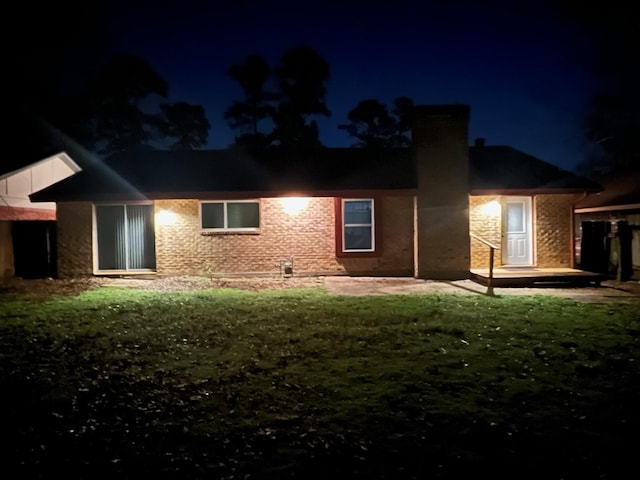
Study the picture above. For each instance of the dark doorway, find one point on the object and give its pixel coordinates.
(34, 249)
(606, 248)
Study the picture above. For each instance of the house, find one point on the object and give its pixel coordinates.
(27, 229)
(608, 227)
(331, 211)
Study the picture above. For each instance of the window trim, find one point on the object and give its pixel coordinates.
(376, 250)
(226, 229)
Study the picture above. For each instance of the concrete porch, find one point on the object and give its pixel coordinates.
(527, 276)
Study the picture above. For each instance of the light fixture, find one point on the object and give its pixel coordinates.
(491, 209)
(165, 217)
(294, 205)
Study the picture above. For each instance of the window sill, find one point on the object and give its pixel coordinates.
(229, 232)
(358, 254)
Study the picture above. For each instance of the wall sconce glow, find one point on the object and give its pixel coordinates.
(165, 217)
(491, 209)
(294, 205)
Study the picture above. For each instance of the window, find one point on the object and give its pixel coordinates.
(230, 216)
(358, 234)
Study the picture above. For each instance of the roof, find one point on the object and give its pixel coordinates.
(503, 168)
(621, 191)
(155, 174)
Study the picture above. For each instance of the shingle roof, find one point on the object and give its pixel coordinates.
(619, 190)
(505, 168)
(180, 174)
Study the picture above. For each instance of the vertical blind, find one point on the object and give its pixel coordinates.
(125, 237)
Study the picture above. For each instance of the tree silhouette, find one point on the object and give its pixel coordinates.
(300, 86)
(245, 116)
(186, 123)
(119, 109)
(373, 126)
(302, 77)
(114, 98)
(612, 123)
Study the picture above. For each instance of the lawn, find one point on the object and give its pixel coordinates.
(298, 383)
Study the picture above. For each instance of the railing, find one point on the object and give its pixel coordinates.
(492, 249)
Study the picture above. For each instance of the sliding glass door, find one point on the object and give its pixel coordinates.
(125, 237)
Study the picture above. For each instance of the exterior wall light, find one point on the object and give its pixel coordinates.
(165, 217)
(491, 209)
(294, 205)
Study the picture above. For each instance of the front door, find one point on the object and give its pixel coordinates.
(125, 237)
(516, 227)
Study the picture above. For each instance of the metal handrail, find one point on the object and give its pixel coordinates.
(492, 249)
(486, 242)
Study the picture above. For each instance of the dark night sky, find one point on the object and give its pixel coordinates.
(522, 67)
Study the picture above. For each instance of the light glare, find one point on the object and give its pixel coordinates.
(294, 205)
(491, 209)
(165, 217)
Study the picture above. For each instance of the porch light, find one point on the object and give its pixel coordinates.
(491, 209)
(165, 217)
(294, 205)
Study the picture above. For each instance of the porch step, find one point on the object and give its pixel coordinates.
(526, 276)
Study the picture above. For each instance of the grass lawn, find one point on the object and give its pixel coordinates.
(222, 384)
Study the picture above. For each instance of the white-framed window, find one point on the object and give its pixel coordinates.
(230, 216)
(358, 226)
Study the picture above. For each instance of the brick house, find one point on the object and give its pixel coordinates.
(330, 211)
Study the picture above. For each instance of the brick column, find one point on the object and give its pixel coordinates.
(441, 154)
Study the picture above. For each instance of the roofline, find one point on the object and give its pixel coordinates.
(222, 195)
(369, 192)
(607, 208)
(60, 155)
(530, 191)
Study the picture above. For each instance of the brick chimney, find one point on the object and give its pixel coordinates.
(441, 155)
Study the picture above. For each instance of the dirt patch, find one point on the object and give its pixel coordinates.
(186, 283)
(610, 291)
(39, 289)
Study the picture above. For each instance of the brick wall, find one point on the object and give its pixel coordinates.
(308, 237)
(552, 216)
(6, 251)
(552, 224)
(487, 225)
(396, 225)
(74, 237)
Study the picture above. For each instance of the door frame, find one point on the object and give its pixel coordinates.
(528, 223)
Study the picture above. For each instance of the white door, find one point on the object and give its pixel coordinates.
(516, 227)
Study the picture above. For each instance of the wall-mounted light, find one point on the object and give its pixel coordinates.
(491, 209)
(165, 217)
(294, 205)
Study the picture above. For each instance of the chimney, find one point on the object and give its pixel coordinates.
(441, 155)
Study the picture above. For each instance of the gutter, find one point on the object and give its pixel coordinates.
(630, 206)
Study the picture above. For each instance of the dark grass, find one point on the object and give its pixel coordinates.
(117, 383)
